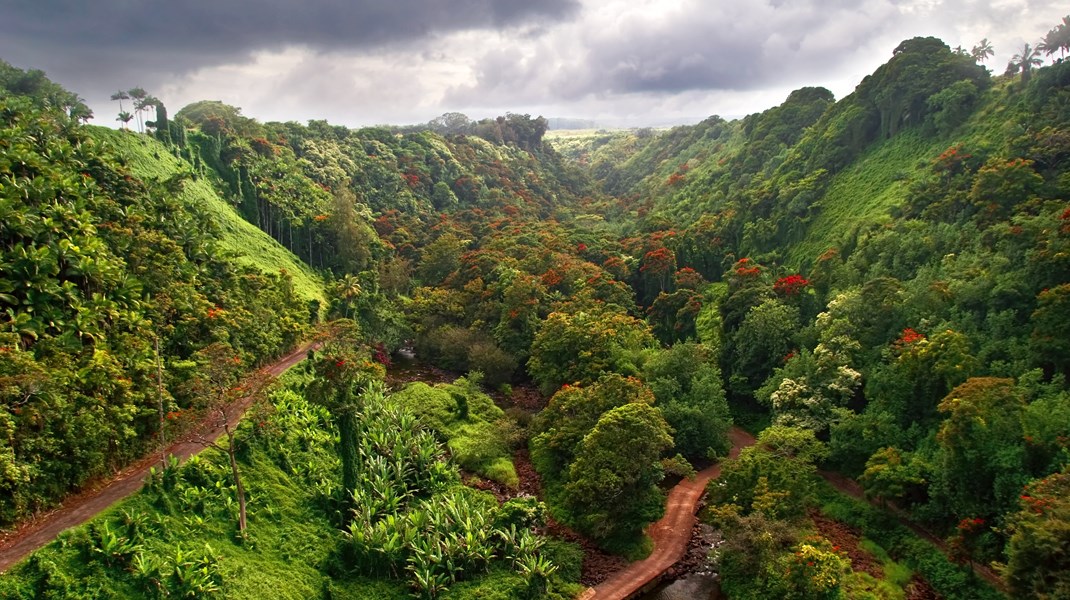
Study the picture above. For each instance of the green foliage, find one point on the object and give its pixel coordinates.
(687, 386)
(176, 538)
(982, 449)
(98, 266)
(948, 579)
(579, 347)
(473, 434)
(1039, 535)
(775, 477)
(612, 487)
(572, 414)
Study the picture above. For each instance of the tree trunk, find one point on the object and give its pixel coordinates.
(347, 440)
(239, 488)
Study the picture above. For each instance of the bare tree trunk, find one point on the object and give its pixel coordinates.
(239, 488)
(159, 403)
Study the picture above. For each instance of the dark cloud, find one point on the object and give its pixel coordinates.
(81, 41)
(732, 47)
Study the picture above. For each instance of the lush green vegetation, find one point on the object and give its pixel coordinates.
(416, 530)
(108, 280)
(882, 280)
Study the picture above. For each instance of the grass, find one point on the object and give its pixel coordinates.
(474, 440)
(862, 194)
(150, 160)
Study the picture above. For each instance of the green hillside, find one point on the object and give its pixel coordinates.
(150, 160)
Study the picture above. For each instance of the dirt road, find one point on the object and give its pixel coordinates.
(670, 534)
(846, 485)
(81, 507)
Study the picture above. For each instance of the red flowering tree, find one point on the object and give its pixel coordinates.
(791, 285)
(688, 278)
(656, 269)
(962, 545)
(1038, 565)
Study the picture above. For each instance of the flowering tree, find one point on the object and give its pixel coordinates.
(1038, 565)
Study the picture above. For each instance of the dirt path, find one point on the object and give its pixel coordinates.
(670, 534)
(850, 487)
(79, 508)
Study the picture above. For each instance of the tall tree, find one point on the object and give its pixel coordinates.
(613, 482)
(138, 95)
(1024, 61)
(982, 51)
(124, 117)
(218, 386)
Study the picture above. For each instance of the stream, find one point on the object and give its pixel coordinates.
(697, 586)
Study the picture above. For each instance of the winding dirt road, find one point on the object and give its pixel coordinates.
(670, 535)
(79, 508)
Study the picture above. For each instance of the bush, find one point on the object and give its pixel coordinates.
(496, 364)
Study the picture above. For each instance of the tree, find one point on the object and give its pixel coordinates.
(1038, 563)
(1024, 61)
(218, 385)
(763, 341)
(686, 381)
(889, 475)
(580, 347)
(572, 413)
(1057, 39)
(812, 389)
(613, 481)
(982, 51)
(124, 117)
(1050, 339)
(139, 96)
(774, 477)
(982, 454)
(344, 374)
(354, 239)
(348, 290)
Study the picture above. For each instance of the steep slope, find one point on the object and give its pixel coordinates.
(150, 160)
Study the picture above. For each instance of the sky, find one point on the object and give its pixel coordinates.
(365, 62)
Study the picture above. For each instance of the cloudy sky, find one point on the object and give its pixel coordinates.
(364, 62)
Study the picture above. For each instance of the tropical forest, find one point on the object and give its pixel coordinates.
(817, 352)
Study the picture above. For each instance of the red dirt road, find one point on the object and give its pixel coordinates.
(850, 487)
(670, 535)
(31, 535)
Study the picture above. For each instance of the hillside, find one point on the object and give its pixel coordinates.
(150, 160)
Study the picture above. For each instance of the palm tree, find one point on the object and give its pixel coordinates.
(1053, 41)
(139, 96)
(120, 96)
(982, 51)
(1025, 60)
(349, 288)
(125, 118)
(142, 104)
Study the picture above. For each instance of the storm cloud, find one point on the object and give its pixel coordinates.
(81, 41)
(360, 62)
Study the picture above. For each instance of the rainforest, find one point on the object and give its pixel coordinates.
(844, 323)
